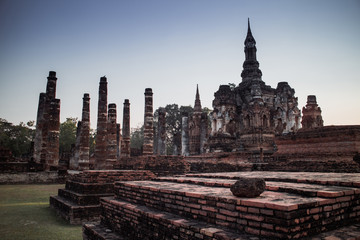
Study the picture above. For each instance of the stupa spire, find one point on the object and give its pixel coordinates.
(197, 105)
(251, 69)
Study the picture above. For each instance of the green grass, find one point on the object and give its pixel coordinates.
(25, 214)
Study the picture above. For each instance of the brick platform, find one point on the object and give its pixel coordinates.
(201, 206)
(80, 200)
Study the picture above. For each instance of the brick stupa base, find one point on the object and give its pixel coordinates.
(80, 200)
(201, 206)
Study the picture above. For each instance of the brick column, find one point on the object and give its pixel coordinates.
(125, 143)
(101, 131)
(38, 141)
(112, 137)
(52, 158)
(46, 143)
(84, 148)
(148, 123)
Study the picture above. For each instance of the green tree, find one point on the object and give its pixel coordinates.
(67, 135)
(137, 137)
(173, 125)
(17, 138)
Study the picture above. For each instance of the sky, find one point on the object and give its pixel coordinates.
(171, 46)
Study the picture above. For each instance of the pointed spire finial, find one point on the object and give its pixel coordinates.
(249, 36)
(197, 91)
(197, 106)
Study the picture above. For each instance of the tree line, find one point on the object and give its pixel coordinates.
(18, 138)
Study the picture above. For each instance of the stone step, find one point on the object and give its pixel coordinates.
(82, 199)
(89, 188)
(97, 231)
(321, 178)
(274, 214)
(74, 213)
(134, 221)
(304, 189)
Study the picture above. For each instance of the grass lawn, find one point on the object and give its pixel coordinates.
(25, 214)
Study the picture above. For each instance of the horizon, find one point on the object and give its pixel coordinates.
(171, 47)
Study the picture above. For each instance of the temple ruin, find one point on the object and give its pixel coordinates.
(197, 125)
(254, 133)
(46, 143)
(311, 114)
(247, 117)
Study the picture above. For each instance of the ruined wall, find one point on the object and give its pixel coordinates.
(101, 130)
(323, 140)
(148, 123)
(286, 115)
(327, 149)
(161, 165)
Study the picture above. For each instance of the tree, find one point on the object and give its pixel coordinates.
(173, 126)
(17, 138)
(67, 135)
(137, 137)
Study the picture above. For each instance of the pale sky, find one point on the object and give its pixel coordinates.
(172, 45)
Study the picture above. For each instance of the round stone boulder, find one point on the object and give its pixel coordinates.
(248, 187)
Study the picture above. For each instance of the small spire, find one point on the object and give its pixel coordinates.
(249, 36)
(197, 92)
(197, 105)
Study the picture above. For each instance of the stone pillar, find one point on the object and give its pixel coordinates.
(52, 158)
(185, 135)
(101, 131)
(84, 148)
(125, 143)
(46, 143)
(51, 86)
(148, 123)
(112, 137)
(38, 141)
(161, 136)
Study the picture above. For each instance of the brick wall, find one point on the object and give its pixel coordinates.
(160, 165)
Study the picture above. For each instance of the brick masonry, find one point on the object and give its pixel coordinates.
(160, 165)
(201, 206)
(79, 201)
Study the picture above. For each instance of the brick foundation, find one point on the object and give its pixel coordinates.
(201, 206)
(80, 200)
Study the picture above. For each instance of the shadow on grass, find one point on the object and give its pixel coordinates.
(25, 214)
